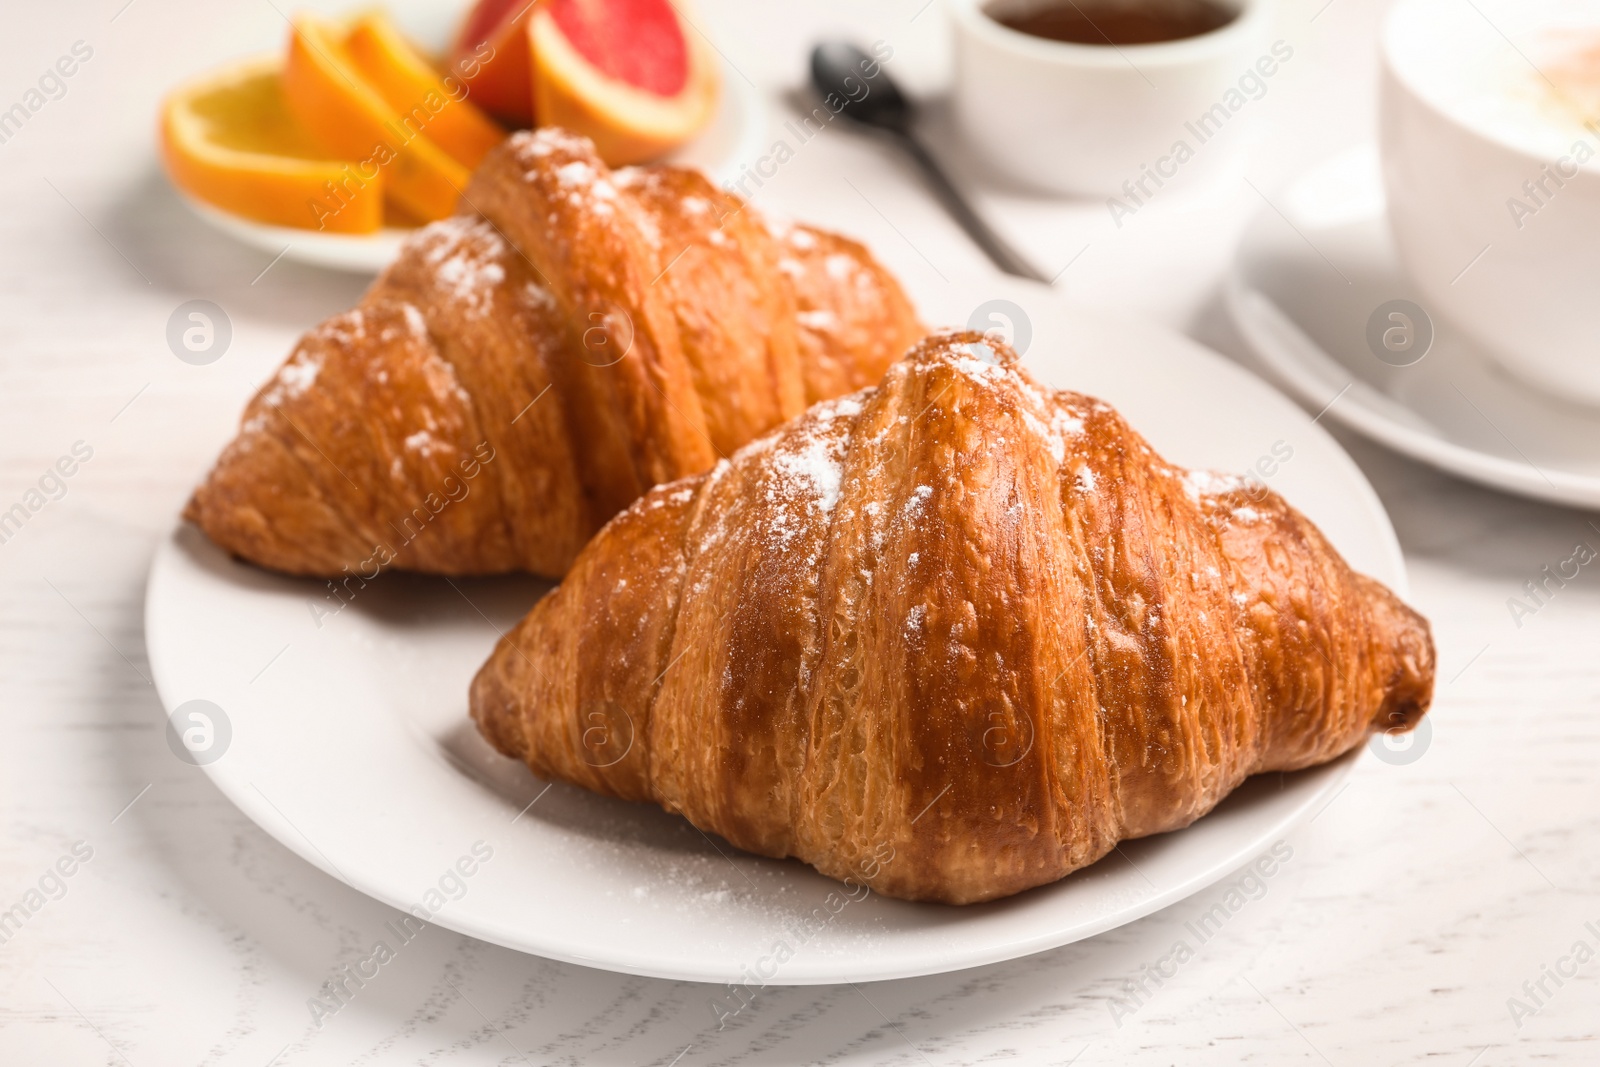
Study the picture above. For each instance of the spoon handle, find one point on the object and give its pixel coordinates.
(1004, 256)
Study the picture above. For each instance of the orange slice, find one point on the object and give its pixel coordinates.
(348, 117)
(409, 84)
(626, 73)
(228, 139)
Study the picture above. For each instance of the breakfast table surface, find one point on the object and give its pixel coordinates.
(1442, 909)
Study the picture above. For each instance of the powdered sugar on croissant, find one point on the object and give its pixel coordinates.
(960, 620)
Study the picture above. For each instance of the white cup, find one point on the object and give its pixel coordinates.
(1103, 119)
(1469, 112)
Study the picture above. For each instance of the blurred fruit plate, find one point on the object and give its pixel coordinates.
(733, 139)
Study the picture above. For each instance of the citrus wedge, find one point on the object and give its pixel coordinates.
(628, 74)
(409, 84)
(491, 55)
(228, 139)
(342, 111)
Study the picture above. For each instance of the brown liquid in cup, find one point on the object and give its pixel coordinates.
(1115, 22)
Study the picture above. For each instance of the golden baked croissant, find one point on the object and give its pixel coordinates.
(951, 637)
(669, 323)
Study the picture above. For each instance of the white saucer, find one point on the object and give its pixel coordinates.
(733, 139)
(1303, 286)
(350, 741)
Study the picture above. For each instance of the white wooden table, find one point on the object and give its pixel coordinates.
(1413, 908)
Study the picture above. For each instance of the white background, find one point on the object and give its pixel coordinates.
(1412, 908)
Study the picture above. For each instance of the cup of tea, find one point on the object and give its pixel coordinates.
(1489, 129)
(1111, 98)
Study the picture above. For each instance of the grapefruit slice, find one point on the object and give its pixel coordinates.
(349, 118)
(491, 56)
(228, 139)
(628, 74)
(409, 84)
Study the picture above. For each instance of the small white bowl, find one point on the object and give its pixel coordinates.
(1102, 119)
(1467, 116)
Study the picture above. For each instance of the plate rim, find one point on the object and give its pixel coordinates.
(1483, 468)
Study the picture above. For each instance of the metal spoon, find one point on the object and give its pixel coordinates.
(856, 83)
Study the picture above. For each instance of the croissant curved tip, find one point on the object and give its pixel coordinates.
(1409, 690)
(494, 706)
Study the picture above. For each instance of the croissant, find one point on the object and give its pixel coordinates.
(950, 637)
(667, 321)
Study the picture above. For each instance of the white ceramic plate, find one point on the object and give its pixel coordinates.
(350, 741)
(1301, 291)
(733, 139)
